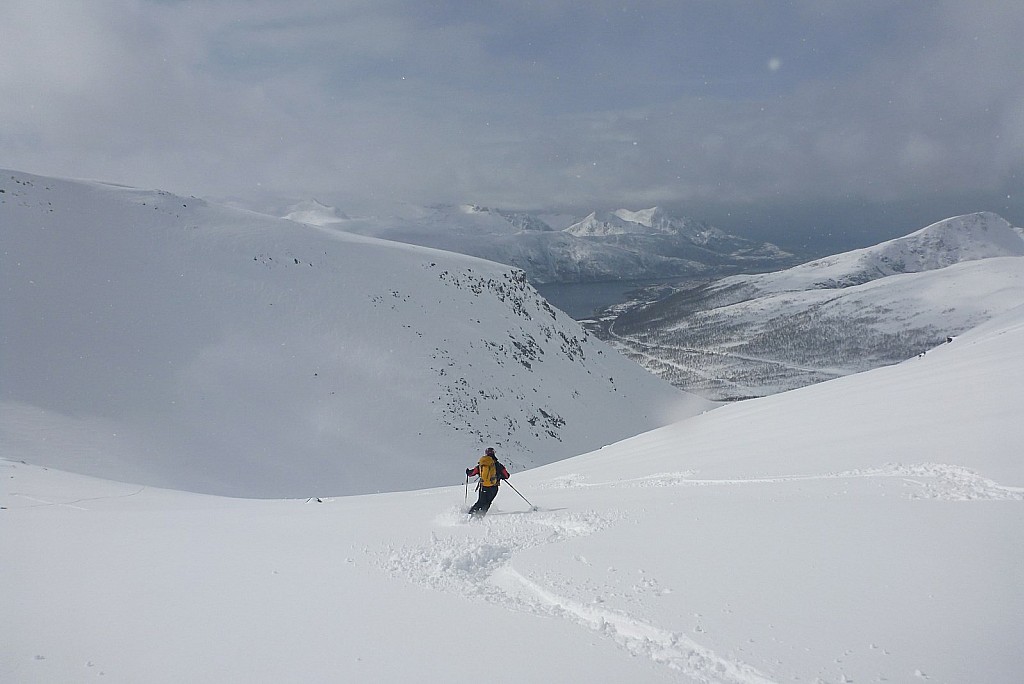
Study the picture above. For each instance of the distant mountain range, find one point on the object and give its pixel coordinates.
(751, 335)
(603, 246)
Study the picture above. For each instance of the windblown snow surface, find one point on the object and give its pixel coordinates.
(865, 529)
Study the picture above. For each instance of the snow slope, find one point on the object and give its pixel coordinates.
(176, 343)
(863, 529)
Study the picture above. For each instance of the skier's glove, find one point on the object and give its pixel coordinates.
(468, 471)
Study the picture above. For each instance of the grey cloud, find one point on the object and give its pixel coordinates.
(561, 104)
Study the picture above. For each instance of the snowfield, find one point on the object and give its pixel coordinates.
(859, 530)
(158, 350)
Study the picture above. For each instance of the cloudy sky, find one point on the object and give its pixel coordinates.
(802, 116)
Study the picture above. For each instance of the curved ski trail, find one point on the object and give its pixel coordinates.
(481, 565)
(477, 559)
(940, 481)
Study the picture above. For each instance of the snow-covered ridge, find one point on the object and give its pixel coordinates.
(759, 334)
(605, 223)
(626, 222)
(969, 237)
(197, 347)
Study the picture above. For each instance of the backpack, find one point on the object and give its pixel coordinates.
(490, 472)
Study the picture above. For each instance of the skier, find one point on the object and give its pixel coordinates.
(491, 473)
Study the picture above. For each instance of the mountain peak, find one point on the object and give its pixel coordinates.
(984, 230)
(315, 213)
(623, 222)
(970, 237)
(655, 218)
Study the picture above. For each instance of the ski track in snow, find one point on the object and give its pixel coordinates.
(479, 563)
(37, 502)
(463, 563)
(638, 637)
(944, 482)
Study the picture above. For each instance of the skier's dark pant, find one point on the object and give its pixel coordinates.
(483, 503)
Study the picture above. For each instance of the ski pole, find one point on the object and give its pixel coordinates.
(466, 500)
(532, 507)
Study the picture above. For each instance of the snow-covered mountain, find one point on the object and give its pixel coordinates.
(653, 221)
(315, 213)
(600, 224)
(860, 530)
(620, 245)
(172, 342)
(954, 240)
(655, 231)
(752, 335)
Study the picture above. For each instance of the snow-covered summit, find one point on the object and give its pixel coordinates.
(315, 213)
(954, 240)
(188, 345)
(655, 217)
(653, 221)
(601, 223)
